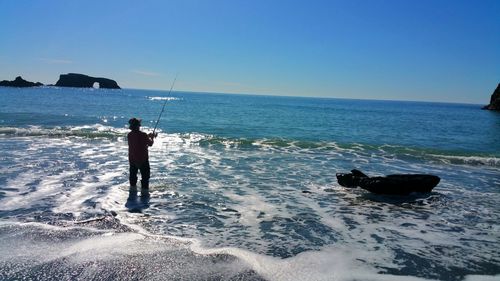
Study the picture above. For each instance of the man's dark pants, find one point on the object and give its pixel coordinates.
(145, 171)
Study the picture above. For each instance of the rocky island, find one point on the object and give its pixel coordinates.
(85, 81)
(19, 82)
(495, 100)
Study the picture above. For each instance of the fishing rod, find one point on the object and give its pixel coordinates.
(165, 103)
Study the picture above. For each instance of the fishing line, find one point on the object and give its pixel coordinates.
(165, 103)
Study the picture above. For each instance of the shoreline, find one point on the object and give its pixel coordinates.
(84, 252)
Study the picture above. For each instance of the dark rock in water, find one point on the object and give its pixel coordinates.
(495, 100)
(401, 184)
(20, 83)
(84, 81)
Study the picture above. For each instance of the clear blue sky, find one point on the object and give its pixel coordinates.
(432, 50)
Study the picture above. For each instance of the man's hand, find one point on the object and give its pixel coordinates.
(151, 135)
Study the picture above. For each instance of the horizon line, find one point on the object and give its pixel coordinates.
(299, 96)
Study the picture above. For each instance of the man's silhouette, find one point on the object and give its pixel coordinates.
(138, 143)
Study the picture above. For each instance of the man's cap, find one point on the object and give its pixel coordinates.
(134, 122)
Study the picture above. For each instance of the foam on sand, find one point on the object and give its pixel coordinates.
(80, 253)
(34, 251)
(31, 249)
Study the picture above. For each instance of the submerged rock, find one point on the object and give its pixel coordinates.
(85, 81)
(20, 83)
(495, 100)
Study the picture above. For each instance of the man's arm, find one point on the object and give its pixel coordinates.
(151, 139)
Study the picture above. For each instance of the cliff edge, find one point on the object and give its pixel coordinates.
(495, 100)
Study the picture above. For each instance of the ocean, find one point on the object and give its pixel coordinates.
(243, 187)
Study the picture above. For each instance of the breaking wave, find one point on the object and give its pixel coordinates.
(387, 151)
(97, 131)
(468, 160)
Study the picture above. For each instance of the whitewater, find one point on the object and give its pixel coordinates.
(244, 188)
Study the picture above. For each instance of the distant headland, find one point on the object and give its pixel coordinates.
(495, 100)
(85, 81)
(66, 80)
(19, 82)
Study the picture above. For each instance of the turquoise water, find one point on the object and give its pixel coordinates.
(251, 178)
(458, 128)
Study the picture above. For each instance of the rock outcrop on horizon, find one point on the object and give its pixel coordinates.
(20, 83)
(495, 100)
(85, 81)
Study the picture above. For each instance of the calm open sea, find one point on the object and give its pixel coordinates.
(244, 188)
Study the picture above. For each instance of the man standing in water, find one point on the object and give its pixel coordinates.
(138, 143)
